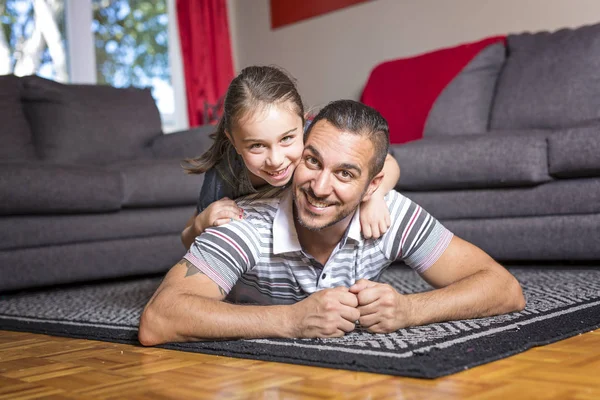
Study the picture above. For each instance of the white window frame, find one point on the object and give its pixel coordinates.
(82, 57)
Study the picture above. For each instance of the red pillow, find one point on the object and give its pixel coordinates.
(404, 90)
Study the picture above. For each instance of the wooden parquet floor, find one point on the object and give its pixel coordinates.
(45, 367)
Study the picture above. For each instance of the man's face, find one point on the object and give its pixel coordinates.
(332, 177)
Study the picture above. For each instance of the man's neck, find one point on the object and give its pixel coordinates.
(321, 243)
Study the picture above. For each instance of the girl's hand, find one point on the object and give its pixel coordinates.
(218, 213)
(374, 217)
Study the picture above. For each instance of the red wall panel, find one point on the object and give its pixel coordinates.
(284, 12)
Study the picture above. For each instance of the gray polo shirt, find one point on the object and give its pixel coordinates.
(259, 259)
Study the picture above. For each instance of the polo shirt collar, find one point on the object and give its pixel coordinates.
(353, 231)
(285, 237)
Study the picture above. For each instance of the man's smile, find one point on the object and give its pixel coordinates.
(314, 203)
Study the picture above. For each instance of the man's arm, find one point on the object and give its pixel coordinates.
(470, 284)
(188, 306)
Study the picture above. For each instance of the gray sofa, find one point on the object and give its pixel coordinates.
(527, 187)
(90, 187)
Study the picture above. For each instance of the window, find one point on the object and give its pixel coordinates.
(129, 40)
(32, 39)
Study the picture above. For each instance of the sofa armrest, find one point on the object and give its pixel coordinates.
(183, 144)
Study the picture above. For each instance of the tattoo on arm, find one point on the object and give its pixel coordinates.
(193, 270)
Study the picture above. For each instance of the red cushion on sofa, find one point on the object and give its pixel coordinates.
(404, 90)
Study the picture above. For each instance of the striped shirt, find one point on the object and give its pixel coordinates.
(259, 259)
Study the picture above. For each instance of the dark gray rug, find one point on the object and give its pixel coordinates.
(560, 303)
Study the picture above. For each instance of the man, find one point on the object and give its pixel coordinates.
(299, 252)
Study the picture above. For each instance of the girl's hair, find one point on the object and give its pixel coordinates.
(253, 88)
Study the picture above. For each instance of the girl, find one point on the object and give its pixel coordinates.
(258, 142)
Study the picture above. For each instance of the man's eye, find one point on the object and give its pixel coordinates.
(311, 160)
(346, 175)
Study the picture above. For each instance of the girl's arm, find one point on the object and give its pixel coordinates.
(374, 213)
(391, 170)
(214, 208)
(218, 213)
(189, 233)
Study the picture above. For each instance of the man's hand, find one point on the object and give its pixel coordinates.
(374, 216)
(382, 308)
(218, 213)
(326, 313)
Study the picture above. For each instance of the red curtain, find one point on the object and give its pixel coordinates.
(206, 56)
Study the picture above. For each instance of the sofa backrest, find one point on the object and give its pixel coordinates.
(464, 105)
(16, 141)
(91, 124)
(448, 91)
(549, 81)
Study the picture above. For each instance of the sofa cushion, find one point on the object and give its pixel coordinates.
(404, 90)
(550, 80)
(185, 144)
(154, 183)
(41, 188)
(575, 152)
(91, 124)
(22, 231)
(464, 105)
(15, 135)
(553, 238)
(84, 262)
(473, 161)
(558, 197)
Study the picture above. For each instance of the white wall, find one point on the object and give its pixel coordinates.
(178, 121)
(332, 55)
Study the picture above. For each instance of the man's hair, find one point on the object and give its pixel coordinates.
(353, 117)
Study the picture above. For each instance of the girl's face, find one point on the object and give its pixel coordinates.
(270, 142)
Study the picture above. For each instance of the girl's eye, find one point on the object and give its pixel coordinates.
(288, 138)
(256, 146)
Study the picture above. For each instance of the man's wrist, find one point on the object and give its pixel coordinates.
(412, 315)
(289, 324)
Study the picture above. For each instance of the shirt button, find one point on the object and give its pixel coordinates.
(323, 276)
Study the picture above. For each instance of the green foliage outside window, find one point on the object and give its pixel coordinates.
(131, 40)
